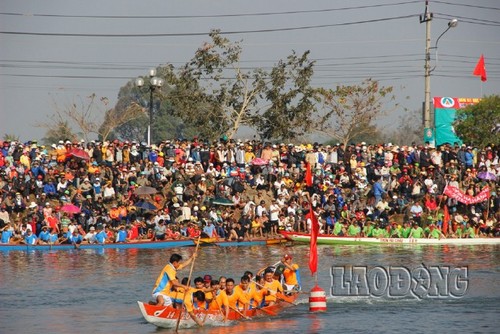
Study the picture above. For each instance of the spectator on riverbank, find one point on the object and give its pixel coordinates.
(231, 174)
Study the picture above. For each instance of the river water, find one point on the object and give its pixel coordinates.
(91, 291)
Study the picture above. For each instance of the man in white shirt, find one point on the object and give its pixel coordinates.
(274, 212)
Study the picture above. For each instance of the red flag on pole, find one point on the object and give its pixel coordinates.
(446, 220)
(309, 178)
(480, 69)
(313, 247)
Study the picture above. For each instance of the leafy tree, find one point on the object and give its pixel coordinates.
(216, 95)
(10, 137)
(164, 125)
(349, 111)
(292, 99)
(479, 124)
(213, 93)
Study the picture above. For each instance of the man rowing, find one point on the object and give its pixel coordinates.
(195, 300)
(273, 287)
(249, 291)
(237, 300)
(219, 300)
(166, 283)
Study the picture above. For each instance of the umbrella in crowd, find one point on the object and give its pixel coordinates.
(487, 176)
(259, 162)
(70, 208)
(145, 190)
(79, 153)
(222, 201)
(145, 205)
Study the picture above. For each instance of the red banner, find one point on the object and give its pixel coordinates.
(460, 196)
(308, 177)
(313, 248)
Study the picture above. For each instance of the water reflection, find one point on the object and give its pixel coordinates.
(58, 291)
(251, 326)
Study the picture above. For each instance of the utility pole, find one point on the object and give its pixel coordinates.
(427, 18)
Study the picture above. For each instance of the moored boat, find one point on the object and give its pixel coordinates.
(232, 243)
(142, 244)
(167, 316)
(324, 239)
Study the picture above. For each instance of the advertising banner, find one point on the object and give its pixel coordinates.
(444, 116)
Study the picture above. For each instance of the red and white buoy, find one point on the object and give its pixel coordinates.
(317, 300)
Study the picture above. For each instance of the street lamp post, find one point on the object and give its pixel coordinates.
(154, 83)
(427, 18)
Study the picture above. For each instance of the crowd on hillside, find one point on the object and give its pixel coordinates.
(238, 189)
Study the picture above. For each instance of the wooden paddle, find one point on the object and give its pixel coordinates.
(284, 298)
(189, 281)
(220, 309)
(238, 311)
(279, 295)
(266, 311)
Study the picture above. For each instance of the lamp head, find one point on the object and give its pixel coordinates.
(453, 23)
(139, 82)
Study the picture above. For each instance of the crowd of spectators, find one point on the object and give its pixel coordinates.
(240, 189)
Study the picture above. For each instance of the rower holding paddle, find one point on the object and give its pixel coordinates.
(167, 282)
(236, 298)
(195, 300)
(272, 286)
(219, 301)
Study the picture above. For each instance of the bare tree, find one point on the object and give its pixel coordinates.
(115, 118)
(86, 115)
(409, 129)
(348, 111)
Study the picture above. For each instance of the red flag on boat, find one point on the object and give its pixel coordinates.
(446, 220)
(480, 69)
(313, 247)
(309, 178)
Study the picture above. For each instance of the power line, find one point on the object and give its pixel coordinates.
(468, 19)
(204, 33)
(210, 16)
(465, 5)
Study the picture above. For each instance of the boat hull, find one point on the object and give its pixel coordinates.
(142, 244)
(334, 240)
(166, 316)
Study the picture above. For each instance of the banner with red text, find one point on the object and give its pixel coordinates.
(462, 197)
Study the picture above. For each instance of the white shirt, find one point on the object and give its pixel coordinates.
(274, 210)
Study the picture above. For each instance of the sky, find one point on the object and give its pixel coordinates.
(55, 52)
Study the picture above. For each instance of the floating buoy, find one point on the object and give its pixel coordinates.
(317, 300)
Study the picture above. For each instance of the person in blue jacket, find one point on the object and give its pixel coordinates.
(378, 190)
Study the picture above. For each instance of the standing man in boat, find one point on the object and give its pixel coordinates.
(167, 282)
(290, 274)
